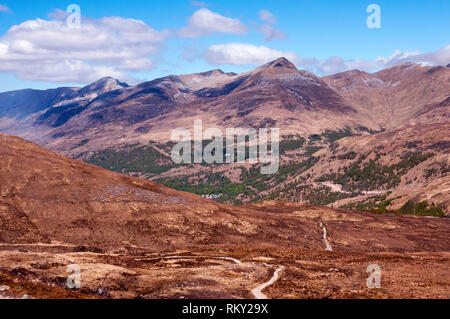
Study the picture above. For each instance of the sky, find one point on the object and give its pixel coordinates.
(42, 45)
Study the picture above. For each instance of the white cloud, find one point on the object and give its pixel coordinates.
(267, 16)
(337, 64)
(438, 57)
(268, 29)
(51, 51)
(4, 8)
(205, 22)
(248, 54)
(244, 54)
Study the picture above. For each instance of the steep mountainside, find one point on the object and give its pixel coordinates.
(132, 238)
(276, 94)
(108, 113)
(379, 171)
(47, 197)
(33, 113)
(397, 96)
(127, 129)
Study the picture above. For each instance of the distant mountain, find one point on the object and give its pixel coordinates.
(108, 112)
(22, 103)
(127, 129)
(30, 112)
(274, 94)
(19, 104)
(396, 96)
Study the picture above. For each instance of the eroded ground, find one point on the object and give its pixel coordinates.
(42, 273)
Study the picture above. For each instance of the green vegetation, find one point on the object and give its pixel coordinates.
(310, 150)
(254, 178)
(315, 137)
(359, 175)
(413, 144)
(373, 175)
(214, 183)
(422, 209)
(369, 130)
(291, 144)
(317, 196)
(346, 156)
(132, 158)
(333, 136)
(83, 142)
(252, 182)
(150, 159)
(441, 170)
(379, 204)
(372, 203)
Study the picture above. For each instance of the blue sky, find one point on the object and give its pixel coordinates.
(177, 37)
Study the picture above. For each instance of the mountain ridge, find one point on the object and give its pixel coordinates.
(106, 122)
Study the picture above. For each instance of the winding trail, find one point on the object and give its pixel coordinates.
(327, 244)
(257, 292)
(236, 261)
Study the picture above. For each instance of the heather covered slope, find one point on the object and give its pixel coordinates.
(383, 170)
(397, 96)
(135, 239)
(47, 197)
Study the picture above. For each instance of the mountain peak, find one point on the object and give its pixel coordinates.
(280, 63)
(104, 85)
(212, 72)
(109, 81)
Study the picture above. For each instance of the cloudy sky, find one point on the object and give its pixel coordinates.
(139, 40)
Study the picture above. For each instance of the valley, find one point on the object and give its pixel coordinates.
(384, 133)
(132, 238)
(87, 179)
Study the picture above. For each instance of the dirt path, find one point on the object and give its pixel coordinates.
(257, 292)
(236, 261)
(327, 244)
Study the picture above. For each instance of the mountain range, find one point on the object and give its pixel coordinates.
(367, 140)
(88, 182)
